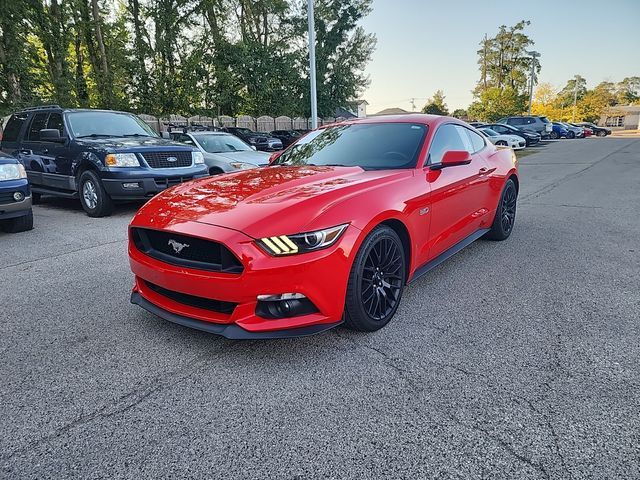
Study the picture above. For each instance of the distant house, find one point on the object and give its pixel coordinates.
(621, 118)
(391, 111)
(353, 109)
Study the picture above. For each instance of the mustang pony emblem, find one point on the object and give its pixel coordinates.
(177, 246)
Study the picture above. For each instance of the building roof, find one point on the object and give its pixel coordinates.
(623, 109)
(392, 111)
(344, 113)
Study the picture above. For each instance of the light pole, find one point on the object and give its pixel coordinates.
(312, 65)
(534, 55)
(575, 97)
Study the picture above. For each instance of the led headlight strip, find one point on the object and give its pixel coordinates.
(301, 242)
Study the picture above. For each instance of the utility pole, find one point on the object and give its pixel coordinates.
(575, 97)
(413, 104)
(534, 55)
(312, 65)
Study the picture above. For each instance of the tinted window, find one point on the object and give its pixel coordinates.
(55, 121)
(221, 143)
(499, 129)
(38, 122)
(477, 142)
(366, 145)
(544, 119)
(446, 138)
(12, 130)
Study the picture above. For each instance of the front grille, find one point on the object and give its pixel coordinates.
(7, 197)
(167, 182)
(185, 251)
(193, 301)
(161, 159)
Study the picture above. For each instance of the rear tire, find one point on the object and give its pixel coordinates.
(376, 281)
(93, 197)
(571, 135)
(505, 213)
(502, 143)
(554, 136)
(215, 171)
(601, 134)
(19, 224)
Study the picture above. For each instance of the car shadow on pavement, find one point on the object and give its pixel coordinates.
(70, 204)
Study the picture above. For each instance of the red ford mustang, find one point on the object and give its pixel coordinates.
(330, 232)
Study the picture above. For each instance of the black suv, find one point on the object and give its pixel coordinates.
(99, 156)
(258, 140)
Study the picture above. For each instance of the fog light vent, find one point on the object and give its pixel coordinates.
(18, 196)
(284, 305)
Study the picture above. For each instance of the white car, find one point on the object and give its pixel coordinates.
(513, 141)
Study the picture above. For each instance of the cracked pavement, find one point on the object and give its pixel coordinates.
(517, 359)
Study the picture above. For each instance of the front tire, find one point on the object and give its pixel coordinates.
(93, 197)
(505, 213)
(502, 143)
(554, 136)
(601, 134)
(376, 281)
(571, 135)
(19, 224)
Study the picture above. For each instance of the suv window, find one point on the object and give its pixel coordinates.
(516, 121)
(13, 127)
(55, 122)
(446, 138)
(544, 119)
(38, 122)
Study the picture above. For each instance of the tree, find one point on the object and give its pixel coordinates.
(460, 113)
(495, 103)
(436, 105)
(628, 90)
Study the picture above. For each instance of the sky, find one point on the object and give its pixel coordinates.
(426, 45)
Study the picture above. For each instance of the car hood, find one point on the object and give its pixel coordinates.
(132, 144)
(266, 201)
(249, 156)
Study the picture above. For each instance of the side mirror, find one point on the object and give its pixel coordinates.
(51, 135)
(166, 135)
(253, 147)
(453, 158)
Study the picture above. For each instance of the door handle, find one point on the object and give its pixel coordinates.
(26, 152)
(46, 150)
(483, 171)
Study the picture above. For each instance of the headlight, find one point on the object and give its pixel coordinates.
(12, 171)
(242, 165)
(198, 158)
(302, 242)
(121, 160)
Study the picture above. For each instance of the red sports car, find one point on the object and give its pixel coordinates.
(330, 232)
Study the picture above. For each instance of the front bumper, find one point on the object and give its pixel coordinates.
(320, 276)
(9, 208)
(135, 184)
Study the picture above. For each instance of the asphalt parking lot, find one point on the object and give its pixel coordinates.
(518, 359)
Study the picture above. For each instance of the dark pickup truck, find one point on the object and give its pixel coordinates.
(98, 156)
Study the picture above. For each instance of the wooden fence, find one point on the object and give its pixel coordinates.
(259, 124)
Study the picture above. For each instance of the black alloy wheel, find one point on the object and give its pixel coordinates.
(376, 282)
(505, 213)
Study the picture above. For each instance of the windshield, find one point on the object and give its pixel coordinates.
(213, 143)
(367, 145)
(108, 124)
(491, 133)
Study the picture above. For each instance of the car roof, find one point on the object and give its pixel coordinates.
(421, 118)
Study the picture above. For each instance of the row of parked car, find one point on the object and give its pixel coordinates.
(101, 157)
(512, 131)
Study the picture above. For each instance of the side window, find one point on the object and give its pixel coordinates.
(477, 141)
(516, 121)
(466, 140)
(530, 121)
(446, 138)
(186, 139)
(37, 123)
(498, 128)
(13, 127)
(55, 121)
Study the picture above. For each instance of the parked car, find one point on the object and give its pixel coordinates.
(538, 124)
(331, 232)
(587, 131)
(287, 137)
(513, 141)
(558, 131)
(574, 131)
(99, 156)
(529, 136)
(597, 131)
(15, 196)
(477, 124)
(261, 141)
(222, 151)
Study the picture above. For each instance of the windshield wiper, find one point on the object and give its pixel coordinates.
(95, 135)
(135, 135)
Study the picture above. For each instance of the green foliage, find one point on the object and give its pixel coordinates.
(460, 113)
(181, 56)
(436, 105)
(495, 103)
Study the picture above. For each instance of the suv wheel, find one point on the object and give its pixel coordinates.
(19, 224)
(93, 197)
